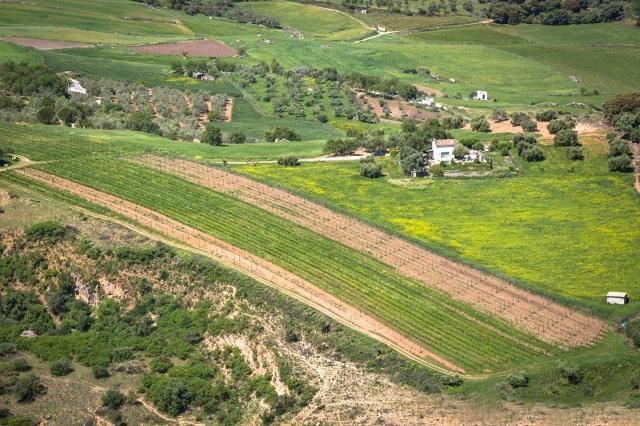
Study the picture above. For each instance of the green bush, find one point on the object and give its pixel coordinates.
(557, 125)
(60, 367)
(49, 232)
(322, 118)
(518, 380)
(161, 364)
(621, 163)
(280, 133)
(20, 364)
(571, 372)
(633, 331)
(212, 135)
(533, 154)
(112, 399)
(27, 388)
(340, 147)
(46, 115)
(575, 153)
(288, 160)
(100, 371)
(566, 138)
(546, 116)
(371, 170)
(480, 124)
(7, 348)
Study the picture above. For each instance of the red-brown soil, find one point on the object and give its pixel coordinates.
(206, 48)
(398, 109)
(539, 316)
(251, 265)
(42, 44)
(428, 90)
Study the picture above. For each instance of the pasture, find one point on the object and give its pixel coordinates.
(564, 228)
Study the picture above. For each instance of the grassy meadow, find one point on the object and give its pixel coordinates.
(566, 228)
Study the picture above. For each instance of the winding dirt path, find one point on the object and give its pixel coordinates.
(251, 265)
(536, 315)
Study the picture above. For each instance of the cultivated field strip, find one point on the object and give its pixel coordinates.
(467, 338)
(547, 320)
(248, 263)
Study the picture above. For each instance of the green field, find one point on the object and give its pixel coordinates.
(44, 143)
(418, 312)
(311, 20)
(570, 229)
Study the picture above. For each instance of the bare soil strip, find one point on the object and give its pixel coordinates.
(253, 266)
(42, 44)
(537, 315)
(202, 48)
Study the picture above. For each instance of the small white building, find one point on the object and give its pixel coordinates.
(442, 150)
(617, 298)
(481, 95)
(426, 101)
(381, 29)
(76, 87)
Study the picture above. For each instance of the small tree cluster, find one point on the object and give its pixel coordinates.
(527, 148)
(288, 160)
(566, 138)
(620, 156)
(371, 170)
(480, 124)
(340, 146)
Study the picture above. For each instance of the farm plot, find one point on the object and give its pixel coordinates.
(469, 339)
(247, 263)
(393, 109)
(547, 320)
(42, 44)
(202, 48)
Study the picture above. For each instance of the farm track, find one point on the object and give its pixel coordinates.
(536, 315)
(251, 265)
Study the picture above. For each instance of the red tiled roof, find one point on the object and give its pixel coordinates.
(441, 143)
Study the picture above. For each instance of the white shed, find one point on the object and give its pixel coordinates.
(617, 298)
(76, 87)
(481, 95)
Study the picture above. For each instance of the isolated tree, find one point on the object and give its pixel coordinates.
(212, 135)
(371, 170)
(480, 124)
(46, 115)
(566, 138)
(342, 146)
(460, 151)
(113, 399)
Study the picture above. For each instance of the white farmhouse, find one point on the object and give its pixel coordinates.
(426, 101)
(617, 298)
(442, 150)
(481, 95)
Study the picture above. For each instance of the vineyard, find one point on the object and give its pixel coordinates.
(546, 320)
(466, 338)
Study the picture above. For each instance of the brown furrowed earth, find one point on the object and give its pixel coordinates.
(204, 48)
(253, 266)
(42, 44)
(539, 316)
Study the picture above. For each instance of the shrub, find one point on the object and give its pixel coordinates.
(46, 115)
(237, 137)
(546, 116)
(322, 118)
(518, 380)
(340, 146)
(532, 154)
(161, 364)
(288, 160)
(49, 232)
(517, 118)
(452, 381)
(212, 135)
(20, 364)
(61, 367)
(480, 124)
(100, 371)
(7, 348)
(575, 153)
(529, 125)
(619, 147)
(371, 170)
(437, 171)
(280, 132)
(27, 388)
(566, 138)
(142, 121)
(171, 396)
(557, 125)
(621, 163)
(113, 399)
(460, 151)
(571, 373)
(499, 115)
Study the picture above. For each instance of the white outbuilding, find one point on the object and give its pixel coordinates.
(76, 87)
(617, 298)
(481, 95)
